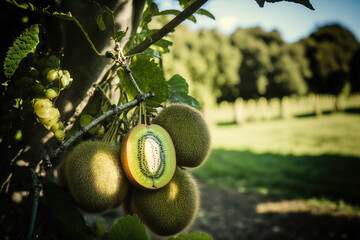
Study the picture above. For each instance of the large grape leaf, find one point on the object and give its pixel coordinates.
(149, 77)
(192, 236)
(306, 3)
(23, 45)
(128, 228)
(179, 90)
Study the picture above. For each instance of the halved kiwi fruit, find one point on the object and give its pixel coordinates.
(148, 156)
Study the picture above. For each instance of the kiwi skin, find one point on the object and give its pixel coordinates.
(61, 174)
(189, 132)
(126, 205)
(94, 176)
(171, 209)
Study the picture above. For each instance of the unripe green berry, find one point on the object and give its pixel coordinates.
(51, 93)
(52, 75)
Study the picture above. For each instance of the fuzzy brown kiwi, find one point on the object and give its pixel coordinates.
(126, 205)
(189, 132)
(171, 209)
(61, 174)
(94, 176)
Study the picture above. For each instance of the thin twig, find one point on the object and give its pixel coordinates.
(128, 72)
(35, 197)
(167, 28)
(111, 112)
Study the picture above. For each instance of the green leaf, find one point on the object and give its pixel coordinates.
(306, 3)
(192, 236)
(128, 228)
(23, 45)
(100, 22)
(176, 12)
(185, 3)
(149, 77)
(180, 97)
(164, 45)
(119, 35)
(205, 13)
(152, 53)
(150, 11)
(66, 216)
(104, 14)
(179, 89)
(178, 84)
(169, 11)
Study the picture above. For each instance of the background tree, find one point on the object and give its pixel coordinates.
(330, 50)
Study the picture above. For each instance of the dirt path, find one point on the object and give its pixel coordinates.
(230, 215)
(227, 214)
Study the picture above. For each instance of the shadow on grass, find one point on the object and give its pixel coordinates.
(327, 176)
(230, 215)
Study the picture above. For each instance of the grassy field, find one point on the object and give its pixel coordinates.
(299, 158)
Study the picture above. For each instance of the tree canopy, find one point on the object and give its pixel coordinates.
(253, 63)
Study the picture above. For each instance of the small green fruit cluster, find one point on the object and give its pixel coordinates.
(49, 116)
(35, 86)
(93, 175)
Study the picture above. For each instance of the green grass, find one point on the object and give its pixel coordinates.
(302, 158)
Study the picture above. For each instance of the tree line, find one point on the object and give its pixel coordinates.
(252, 63)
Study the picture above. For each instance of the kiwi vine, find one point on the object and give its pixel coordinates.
(115, 135)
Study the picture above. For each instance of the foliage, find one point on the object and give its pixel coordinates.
(128, 227)
(306, 3)
(22, 46)
(330, 50)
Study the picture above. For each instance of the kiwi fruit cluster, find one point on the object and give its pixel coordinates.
(146, 173)
(170, 209)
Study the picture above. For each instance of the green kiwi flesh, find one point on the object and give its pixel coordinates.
(148, 156)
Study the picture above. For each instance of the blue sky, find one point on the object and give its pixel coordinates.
(293, 21)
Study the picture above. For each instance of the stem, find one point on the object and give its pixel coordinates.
(35, 196)
(128, 71)
(85, 129)
(167, 28)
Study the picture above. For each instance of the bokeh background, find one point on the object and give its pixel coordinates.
(279, 87)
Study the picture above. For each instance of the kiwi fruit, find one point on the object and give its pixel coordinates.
(189, 132)
(61, 174)
(94, 176)
(126, 205)
(171, 209)
(148, 156)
